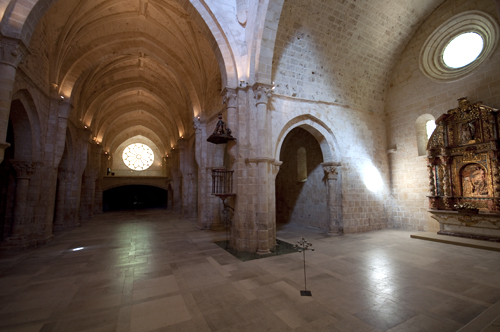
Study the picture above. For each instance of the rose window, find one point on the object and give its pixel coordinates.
(138, 156)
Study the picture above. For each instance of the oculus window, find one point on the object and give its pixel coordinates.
(138, 156)
(462, 50)
(459, 46)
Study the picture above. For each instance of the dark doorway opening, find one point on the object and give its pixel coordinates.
(134, 197)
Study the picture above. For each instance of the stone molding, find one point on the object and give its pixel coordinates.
(262, 160)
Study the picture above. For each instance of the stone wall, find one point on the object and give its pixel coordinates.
(357, 141)
(411, 95)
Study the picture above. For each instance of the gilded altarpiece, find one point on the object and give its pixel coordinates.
(462, 156)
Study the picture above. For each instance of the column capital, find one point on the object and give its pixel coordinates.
(229, 97)
(24, 169)
(12, 51)
(197, 125)
(262, 93)
(331, 170)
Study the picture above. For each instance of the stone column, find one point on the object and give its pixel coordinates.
(230, 99)
(24, 171)
(81, 156)
(62, 206)
(12, 51)
(335, 226)
(88, 198)
(176, 180)
(263, 216)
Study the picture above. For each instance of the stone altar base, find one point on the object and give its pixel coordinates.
(482, 226)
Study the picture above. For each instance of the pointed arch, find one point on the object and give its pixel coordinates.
(318, 129)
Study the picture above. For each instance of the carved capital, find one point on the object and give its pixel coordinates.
(24, 169)
(230, 97)
(331, 170)
(12, 51)
(262, 93)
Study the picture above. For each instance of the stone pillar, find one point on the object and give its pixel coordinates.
(263, 216)
(176, 180)
(81, 156)
(88, 198)
(230, 99)
(24, 170)
(61, 220)
(335, 225)
(12, 51)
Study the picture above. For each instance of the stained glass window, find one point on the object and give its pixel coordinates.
(138, 156)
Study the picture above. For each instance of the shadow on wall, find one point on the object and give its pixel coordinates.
(301, 199)
(134, 197)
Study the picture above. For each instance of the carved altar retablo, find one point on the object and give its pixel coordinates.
(462, 166)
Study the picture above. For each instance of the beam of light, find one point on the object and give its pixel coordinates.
(372, 178)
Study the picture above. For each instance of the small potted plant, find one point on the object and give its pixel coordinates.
(466, 208)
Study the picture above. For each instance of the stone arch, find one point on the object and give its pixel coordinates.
(301, 198)
(318, 129)
(22, 16)
(265, 35)
(26, 125)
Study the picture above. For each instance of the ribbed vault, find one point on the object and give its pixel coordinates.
(131, 66)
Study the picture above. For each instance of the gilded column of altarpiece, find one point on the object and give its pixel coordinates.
(462, 156)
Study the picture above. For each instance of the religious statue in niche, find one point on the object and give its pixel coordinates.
(468, 132)
(474, 181)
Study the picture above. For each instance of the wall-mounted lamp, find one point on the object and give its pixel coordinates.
(198, 118)
(62, 97)
(105, 152)
(85, 127)
(273, 86)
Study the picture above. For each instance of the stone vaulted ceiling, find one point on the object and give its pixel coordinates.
(129, 64)
(343, 51)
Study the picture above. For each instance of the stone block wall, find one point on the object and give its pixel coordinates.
(411, 95)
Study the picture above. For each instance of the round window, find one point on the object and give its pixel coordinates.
(462, 50)
(138, 156)
(458, 46)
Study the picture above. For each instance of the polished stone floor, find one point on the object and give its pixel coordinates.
(151, 271)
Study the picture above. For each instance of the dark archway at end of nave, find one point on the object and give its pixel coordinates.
(134, 197)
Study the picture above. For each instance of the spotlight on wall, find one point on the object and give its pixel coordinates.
(273, 86)
(372, 179)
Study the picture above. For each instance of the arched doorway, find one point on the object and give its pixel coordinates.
(7, 187)
(301, 188)
(133, 197)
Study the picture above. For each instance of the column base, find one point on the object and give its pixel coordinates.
(263, 252)
(15, 243)
(336, 232)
